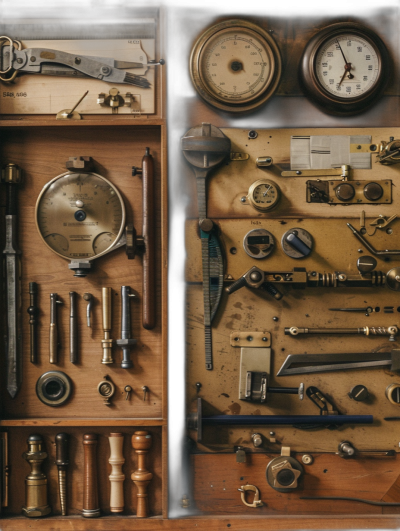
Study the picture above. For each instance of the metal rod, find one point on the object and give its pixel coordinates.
(33, 312)
(73, 329)
(126, 342)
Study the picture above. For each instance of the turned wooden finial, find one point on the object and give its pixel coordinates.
(91, 507)
(117, 476)
(141, 442)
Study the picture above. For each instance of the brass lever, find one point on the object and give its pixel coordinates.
(256, 501)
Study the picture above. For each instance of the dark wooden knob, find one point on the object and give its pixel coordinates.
(141, 442)
(62, 449)
(90, 490)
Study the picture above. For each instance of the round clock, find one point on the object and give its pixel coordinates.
(235, 66)
(264, 195)
(345, 67)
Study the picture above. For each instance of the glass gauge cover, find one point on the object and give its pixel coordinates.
(264, 195)
(345, 68)
(235, 65)
(80, 216)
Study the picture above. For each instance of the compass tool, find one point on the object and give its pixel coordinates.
(205, 147)
(126, 342)
(390, 331)
(312, 363)
(12, 177)
(33, 311)
(235, 66)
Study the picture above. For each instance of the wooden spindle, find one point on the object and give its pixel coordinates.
(90, 492)
(117, 476)
(141, 442)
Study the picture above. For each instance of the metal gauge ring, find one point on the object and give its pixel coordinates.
(80, 216)
(345, 67)
(264, 195)
(235, 65)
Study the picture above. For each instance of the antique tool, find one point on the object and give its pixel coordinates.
(349, 192)
(256, 500)
(345, 68)
(88, 297)
(359, 393)
(14, 60)
(91, 507)
(366, 310)
(141, 443)
(33, 312)
(310, 363)
(390, 331)
(370, 247)
(283, 472)
(297, 243)
(106, 389)
(5, 468)
(62, 463)
(300, 278)
(11, 175)
(107, 342)
(116, 477)
(126, 342)
(36, 481)
(325, 406)
(235, 65)
(70, 114)
(196, 421)
(381, 222)
(73, 329)
(54, 388)
(54, 343)
(80, 215)
(263, 195)
(392, 393)
(258, 243)
(340, 171)
(186, 448)
(347, 450)
(389, 152)
(146, 242)
(205, 147)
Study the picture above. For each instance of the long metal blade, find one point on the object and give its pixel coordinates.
(311, 363)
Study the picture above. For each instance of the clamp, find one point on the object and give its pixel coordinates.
(256, 502)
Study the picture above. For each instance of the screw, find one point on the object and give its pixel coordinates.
(243, 199)
(105, 70)
(249, 338)
(78, 60)
(307, 459)
(298, 172)
(275, 318)
(360, 250)
(33, 58)
(198, 386)
(358, 147)
(253, 134)
(272, 433)
(265, 339)
(19, 60)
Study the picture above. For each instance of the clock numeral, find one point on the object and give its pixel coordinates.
(369, 67)
(368, 58)
(348, 43)
(348, 89)
(331, 81)
(325, 73)
(330, 54)
(365, 78)
(359, 48)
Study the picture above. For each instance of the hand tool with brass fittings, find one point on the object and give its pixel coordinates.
(91, 507)
(312, 363)
(106, 389)
(256, 500)
(11, 176)
(370, 247)
(73, 329)
(196, 421)
(36, 503)
(107, 342)
(141, 443)
(54, 343)
(326, 407)
(391, 331)
(14, 60)
(300, 278)
(346, 450)
(88, 297)
(116, 477)
(205, 147)
(187, 447)
(62, 463)
(381, 222)
(146, 242)
(126, 342)
(283, 472)
(115, 99)
(33, 311)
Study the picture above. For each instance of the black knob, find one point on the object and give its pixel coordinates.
(345, 192)
(365, 264)
(373, 191)
(285, 477)
(359, 393)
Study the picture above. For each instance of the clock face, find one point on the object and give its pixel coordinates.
(264, 195)
(345, 68)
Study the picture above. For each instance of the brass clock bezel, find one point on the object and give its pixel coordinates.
(250, 195)
(196, 58)
(314, 89)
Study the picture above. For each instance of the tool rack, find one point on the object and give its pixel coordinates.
(209, 499)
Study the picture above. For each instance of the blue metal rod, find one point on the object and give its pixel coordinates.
(252, 420)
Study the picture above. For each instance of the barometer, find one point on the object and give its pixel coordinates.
(235, 65)
(264, 195)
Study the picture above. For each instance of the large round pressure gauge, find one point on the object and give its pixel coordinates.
(80, 216)
(345, 67)
(235, 66)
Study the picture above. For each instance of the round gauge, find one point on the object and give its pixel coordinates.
(80, 215)
(264, 195)
(235, 65)
(345, 67)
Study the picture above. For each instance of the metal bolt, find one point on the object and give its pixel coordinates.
(253, 134)
(78, 60)
(265, 339)
(358, 147)
(243, 199)
(298, 172)
(33, 58)
(307, 459)
(20, 61)
(249, 338)
(275, 318)
(272, 433)
(257, 439)
(360, 250)
(105, 70)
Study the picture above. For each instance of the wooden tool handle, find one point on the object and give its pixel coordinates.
(141, 442)
(149, 288)
(62, 449)
(116, 477)
(90, 494)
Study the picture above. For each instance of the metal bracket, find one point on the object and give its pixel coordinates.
(256, 501)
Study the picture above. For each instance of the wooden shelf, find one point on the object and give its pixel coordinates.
(82, 422)
(101, 121)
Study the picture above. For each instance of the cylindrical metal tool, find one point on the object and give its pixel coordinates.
(62, 463)
(106, 294)
(54, 344)
(33, 312)
(390, 331)
(35, 482)
(141, 442)
(73, 329)
(126, 342)
(117, 476)
(91, 507)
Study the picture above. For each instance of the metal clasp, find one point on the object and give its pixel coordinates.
(256, 502)
(6, 41)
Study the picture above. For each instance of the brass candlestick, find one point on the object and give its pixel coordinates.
(35, 482)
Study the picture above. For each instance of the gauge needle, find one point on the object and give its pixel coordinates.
(340, 48)
(266, 191)
(347, 68)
